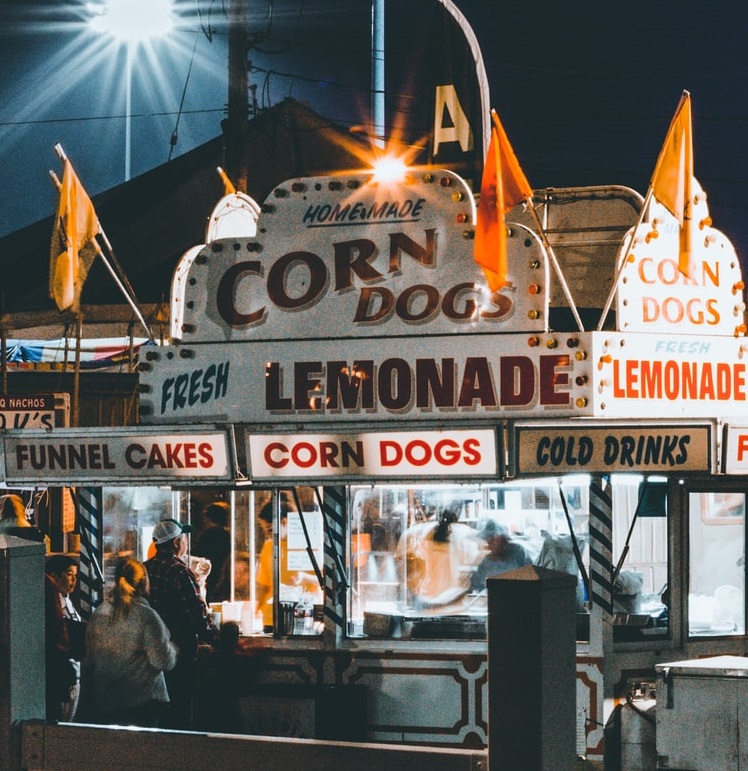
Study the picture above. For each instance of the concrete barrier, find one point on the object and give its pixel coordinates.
(73, 747)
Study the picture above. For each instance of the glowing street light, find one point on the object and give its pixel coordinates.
(131, 23)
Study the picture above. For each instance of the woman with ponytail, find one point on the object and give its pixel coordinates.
(448, 551)
(128, 649)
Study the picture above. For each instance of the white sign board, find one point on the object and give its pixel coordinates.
(735, 448)
(297, 554)
(116, 455)
(669, 376)
(391, 454)
(655, 296)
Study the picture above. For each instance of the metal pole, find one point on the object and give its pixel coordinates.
(128, 107)
(377, 71)
(237, 120)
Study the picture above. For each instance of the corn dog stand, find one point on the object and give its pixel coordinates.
(355, 370)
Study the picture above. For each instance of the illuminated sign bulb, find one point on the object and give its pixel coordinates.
(738, 286)
(533, 314)
(705, 223)
(533, 342)
(580, 355)
(551, 343)
(581, 402)
(534, 289)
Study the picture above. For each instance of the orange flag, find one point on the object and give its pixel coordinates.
(503, 186)
(673, 178)
(73, 247)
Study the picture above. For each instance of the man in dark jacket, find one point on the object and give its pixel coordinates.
(215, 544)
(175, 595)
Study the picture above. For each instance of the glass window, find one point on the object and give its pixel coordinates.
(640, 557)
(240, 585)
(420, 554)
(716, 592)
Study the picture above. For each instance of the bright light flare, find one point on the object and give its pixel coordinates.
(389, 169)
(132, 21)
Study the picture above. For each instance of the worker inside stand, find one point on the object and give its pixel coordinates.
(504, 553)
(448, 552)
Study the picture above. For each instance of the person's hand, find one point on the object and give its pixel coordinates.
(201, 567)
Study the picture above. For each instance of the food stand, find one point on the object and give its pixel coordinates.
(367, 381)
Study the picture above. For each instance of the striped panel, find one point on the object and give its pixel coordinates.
(601, 543)
(90, 578)
(334, 513)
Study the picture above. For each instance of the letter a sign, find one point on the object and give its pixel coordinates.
(440, 77)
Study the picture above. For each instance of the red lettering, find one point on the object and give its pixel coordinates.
(390, 453)
(297, 454)
(472, 452)
(271, 459)
(416, 447)
(205, 452)
(447, 452)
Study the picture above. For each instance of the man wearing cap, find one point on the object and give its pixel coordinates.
(503, 554)
(175, 595)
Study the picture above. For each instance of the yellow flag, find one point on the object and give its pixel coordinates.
(672, 180)
(228, 185)
(503, 186)
(73, 247)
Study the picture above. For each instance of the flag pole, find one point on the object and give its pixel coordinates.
(77, 368)
(119, 283)
(554, 262)
(100, 253)
(624, 260)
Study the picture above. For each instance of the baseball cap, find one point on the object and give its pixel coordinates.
(493, 529)
(169, 529)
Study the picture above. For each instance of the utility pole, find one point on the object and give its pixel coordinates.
(236, 126)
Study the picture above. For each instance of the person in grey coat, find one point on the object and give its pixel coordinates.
(128, 649)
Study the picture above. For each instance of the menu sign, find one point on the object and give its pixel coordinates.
(71, 456)
(554, 449)
(387, 454)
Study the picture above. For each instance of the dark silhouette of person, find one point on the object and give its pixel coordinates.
(215, 544)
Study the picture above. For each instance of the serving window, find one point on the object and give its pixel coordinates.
(420, 554)
(267, 577)
(716, 591)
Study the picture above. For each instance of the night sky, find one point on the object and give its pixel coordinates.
(585, 90)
